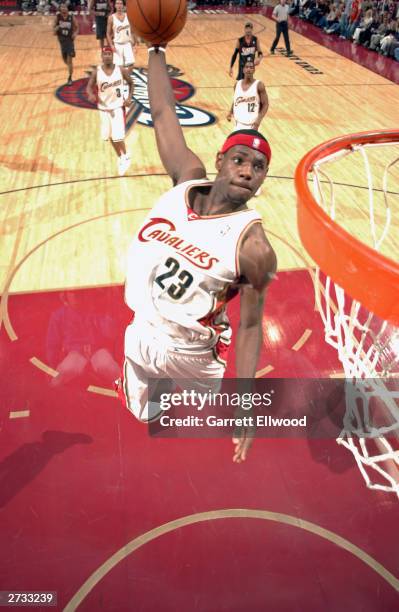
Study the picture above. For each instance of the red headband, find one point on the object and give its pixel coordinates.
(107, 48)
(253, 142)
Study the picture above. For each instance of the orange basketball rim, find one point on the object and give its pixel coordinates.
(367, 276)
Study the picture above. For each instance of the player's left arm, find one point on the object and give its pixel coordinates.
(259, 52)
(129, 81)
(75, 28)
(263, 104)
(258, 264)
(230, 114)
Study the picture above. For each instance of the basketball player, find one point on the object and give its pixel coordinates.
(246, 48)
(108, 80)
(66, 29)
(199, 246)
(119, 36)
(101, 9)
(250, 103)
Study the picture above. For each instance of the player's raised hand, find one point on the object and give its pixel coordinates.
(243, 434)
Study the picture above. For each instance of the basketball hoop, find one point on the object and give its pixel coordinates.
(357, 287)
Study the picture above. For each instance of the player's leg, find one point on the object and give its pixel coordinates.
(101, 30)
(118, 139)
(118, 55)
(143, 358)
(128, 55)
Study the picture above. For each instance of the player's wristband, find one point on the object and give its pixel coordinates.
(157, 49)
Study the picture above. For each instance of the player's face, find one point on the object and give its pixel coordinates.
(249, 69)
(119, 6)
(242, 171)
(108, 57)
(63, 10)
(248, 32)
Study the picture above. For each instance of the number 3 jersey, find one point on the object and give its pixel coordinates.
(182, 268)
(110, 89)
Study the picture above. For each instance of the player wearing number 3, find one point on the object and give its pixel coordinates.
(199, 247)
(108, 81)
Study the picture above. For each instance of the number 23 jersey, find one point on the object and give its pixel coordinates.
(181, 267)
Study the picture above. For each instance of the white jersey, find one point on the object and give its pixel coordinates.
(181, 267)
(121, 30)
(110, 89)
(246, 103)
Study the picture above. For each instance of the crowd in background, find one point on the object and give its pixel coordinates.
(372, 23)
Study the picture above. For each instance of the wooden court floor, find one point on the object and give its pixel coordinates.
(56, 173)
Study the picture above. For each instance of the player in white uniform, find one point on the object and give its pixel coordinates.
(250, 101)
(196, 249)
(109, 81)
(119, 36)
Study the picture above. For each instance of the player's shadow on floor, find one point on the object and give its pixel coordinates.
(24, 464)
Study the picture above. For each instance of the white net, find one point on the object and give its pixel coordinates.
(367, 346)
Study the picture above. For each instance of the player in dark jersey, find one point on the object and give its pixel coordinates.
(66, 30)
(247, 47)
(101, 9)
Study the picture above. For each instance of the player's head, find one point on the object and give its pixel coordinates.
(249, 68)
(119, 6)
(107, 55)
(248, 29)
(64, 10)
(242, 164)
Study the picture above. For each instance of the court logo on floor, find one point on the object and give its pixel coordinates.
(188, 116)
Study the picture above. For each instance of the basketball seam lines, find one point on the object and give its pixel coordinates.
(145, 18)
(172, 22)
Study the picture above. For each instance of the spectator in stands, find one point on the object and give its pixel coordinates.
(365, 22)
(379, 34)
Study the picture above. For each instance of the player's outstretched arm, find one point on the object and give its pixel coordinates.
(258, 265)
(178, 160)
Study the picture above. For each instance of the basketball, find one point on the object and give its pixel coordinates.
(157, 21)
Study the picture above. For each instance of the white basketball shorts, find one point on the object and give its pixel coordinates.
(124, 55)
(113, 124)
(147, 356)
(243, 126)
